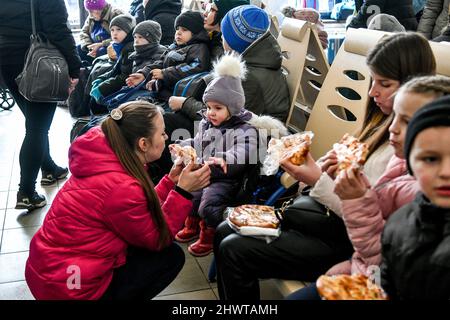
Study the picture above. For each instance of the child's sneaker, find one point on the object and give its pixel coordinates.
(30, 203)
(49, 178)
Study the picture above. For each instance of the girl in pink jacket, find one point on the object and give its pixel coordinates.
(109, 233)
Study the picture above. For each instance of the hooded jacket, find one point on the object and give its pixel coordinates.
(115, 79)
(266, 90)
(99, 212)
(108, 14)
(15, 31)
(416, 252)
(366, 216)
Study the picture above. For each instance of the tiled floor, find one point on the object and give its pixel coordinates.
(17, 227)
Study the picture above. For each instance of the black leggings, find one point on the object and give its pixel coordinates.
(145, 273)
(34, 153)
(242, 261)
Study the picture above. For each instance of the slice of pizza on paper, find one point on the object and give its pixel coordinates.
(254, 220)
(294, 147)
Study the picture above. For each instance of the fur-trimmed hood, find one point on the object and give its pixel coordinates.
(269, 123)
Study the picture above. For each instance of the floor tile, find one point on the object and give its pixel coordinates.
(187, 255)
(15, 291)
(216, 292)
(207, 294)
(269, 290)
(205, 263)
(12, 266)
(190, 278)
(17, 240)
(23, 218)
(3, 199)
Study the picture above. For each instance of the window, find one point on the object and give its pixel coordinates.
(73, 9)
(321, 5)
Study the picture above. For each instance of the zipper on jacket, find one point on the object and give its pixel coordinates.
(58, 74)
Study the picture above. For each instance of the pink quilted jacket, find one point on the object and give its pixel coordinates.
(365, 217)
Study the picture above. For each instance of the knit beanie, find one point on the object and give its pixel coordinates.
(149, 30)
(226, 87)
(94, 4)
(124, 22)
(433, 114)
(223, 6)
(191, 20)
(243, 25)
(385, 22)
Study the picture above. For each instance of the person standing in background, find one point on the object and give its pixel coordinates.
(15, 32)
(95, 36)
(434, 18)
(162, 11)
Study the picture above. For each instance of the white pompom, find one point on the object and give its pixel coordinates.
(230, 65)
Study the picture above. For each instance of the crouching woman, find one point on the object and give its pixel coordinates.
(109, 232)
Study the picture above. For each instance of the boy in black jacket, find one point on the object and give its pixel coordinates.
(416, 239)
(189, 54)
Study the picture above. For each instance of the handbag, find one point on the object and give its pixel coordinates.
(310, 217)
(45, 75)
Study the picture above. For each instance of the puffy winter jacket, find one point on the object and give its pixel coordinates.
(416, 252)
(401, 9)
(15, 31)
(99, 212)
(365, 217)
(434, 18)
(181, 61)
(147, 55)
(108, 14)
(265, 88)
(114, 80)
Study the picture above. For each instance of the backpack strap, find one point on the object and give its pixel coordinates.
(195, 76)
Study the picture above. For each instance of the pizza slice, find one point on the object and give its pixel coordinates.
(349, 287)
(350, 152)
(294, 147)
(250, 215)
(184, 154)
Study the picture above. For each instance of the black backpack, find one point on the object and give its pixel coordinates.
(45, 76)
(81, 126)
(79, 102)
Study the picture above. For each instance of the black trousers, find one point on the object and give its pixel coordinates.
(34, 153)
(242, 261)
(145, 274)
